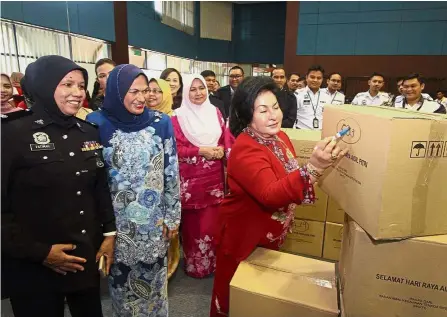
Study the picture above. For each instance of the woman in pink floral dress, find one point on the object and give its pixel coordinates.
(199, 129)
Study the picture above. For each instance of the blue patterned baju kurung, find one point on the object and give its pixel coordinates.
(144, 182)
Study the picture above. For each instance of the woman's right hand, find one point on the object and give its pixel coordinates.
(61, 262)
(326, 153)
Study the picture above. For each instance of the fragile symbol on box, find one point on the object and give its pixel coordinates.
(435, 148)
(418, 149)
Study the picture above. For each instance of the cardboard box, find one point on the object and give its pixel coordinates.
(316, 211)
(274, 284)
(405, 278)
(304, 142)
(393, 180)
(306, 238)
(332, 241)
(334, 212)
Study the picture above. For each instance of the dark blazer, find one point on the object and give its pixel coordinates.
(287, 103)
(224, 94)
(54, 191)
(219, 105)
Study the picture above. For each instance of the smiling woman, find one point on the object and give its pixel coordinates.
(54, 237)
(140, 155)
(199, 129)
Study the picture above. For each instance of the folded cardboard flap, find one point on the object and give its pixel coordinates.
(297, 280)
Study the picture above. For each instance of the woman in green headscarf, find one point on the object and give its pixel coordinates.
(159, 97)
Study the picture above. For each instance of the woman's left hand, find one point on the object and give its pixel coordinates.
(106, 249)
(168, 233)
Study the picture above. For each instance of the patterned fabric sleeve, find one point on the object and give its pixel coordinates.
(308, 190)
(171, 179)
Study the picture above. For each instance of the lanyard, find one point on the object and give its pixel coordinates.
(312, 103)
(335, 95)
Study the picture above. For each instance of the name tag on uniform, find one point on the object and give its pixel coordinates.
(42, 142)
(306, 102)
(42, 147)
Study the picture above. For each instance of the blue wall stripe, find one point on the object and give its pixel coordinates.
(372, 28)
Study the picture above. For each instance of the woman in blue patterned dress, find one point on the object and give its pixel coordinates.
(141, 156)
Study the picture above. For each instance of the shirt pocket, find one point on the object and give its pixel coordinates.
(93, 160)
(44, 169)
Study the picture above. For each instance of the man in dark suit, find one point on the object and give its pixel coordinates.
(286, 99)
(226, 93)
(210, 78)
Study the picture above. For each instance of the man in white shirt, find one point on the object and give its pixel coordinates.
(413, 85)
(400, 89)
(372, 97)
(441, 98)
(311, 101)
(333, 89)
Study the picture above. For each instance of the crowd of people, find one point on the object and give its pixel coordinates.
(118, 177)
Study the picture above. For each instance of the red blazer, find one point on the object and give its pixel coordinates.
(259, 186)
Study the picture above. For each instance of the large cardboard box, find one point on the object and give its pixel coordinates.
(304, 142)
(274, 284)
(306, 238)
(393, 181)
(405, 278)
(334, 212)
(316, 211)
(332, 241)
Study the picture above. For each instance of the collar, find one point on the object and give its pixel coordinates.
(310, 92)
(376, 96)
(43, 120)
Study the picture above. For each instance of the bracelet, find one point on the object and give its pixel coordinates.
(312, 171)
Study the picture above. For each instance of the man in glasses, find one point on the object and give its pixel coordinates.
(225, 93)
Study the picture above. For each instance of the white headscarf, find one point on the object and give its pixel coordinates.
(199, 123)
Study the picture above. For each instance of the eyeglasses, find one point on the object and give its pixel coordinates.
(235, 76)
(154, 91)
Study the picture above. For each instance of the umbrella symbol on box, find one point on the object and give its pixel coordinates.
(418, 146)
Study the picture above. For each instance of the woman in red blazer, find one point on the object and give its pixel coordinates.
(265, 183)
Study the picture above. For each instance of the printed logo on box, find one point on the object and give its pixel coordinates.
(354, 134)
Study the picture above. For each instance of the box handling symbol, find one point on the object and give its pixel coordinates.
(418, 149)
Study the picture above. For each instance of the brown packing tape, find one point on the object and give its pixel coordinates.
(438, 131)
(318, 281)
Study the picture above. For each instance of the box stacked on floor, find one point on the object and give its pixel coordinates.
(393, 186)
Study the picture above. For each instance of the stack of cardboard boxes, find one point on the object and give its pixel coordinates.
(393, 186)
(393, 263)
(318, 228)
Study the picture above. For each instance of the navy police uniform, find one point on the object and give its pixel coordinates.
(54, 191)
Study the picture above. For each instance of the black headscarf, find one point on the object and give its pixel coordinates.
(41, 80)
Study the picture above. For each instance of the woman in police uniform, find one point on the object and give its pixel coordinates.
(57, 215)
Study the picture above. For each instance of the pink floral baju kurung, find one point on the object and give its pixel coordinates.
(202, 190)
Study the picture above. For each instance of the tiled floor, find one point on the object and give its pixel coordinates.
(188, 297)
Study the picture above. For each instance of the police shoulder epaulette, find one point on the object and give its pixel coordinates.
(88, 122)
(6, 117)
